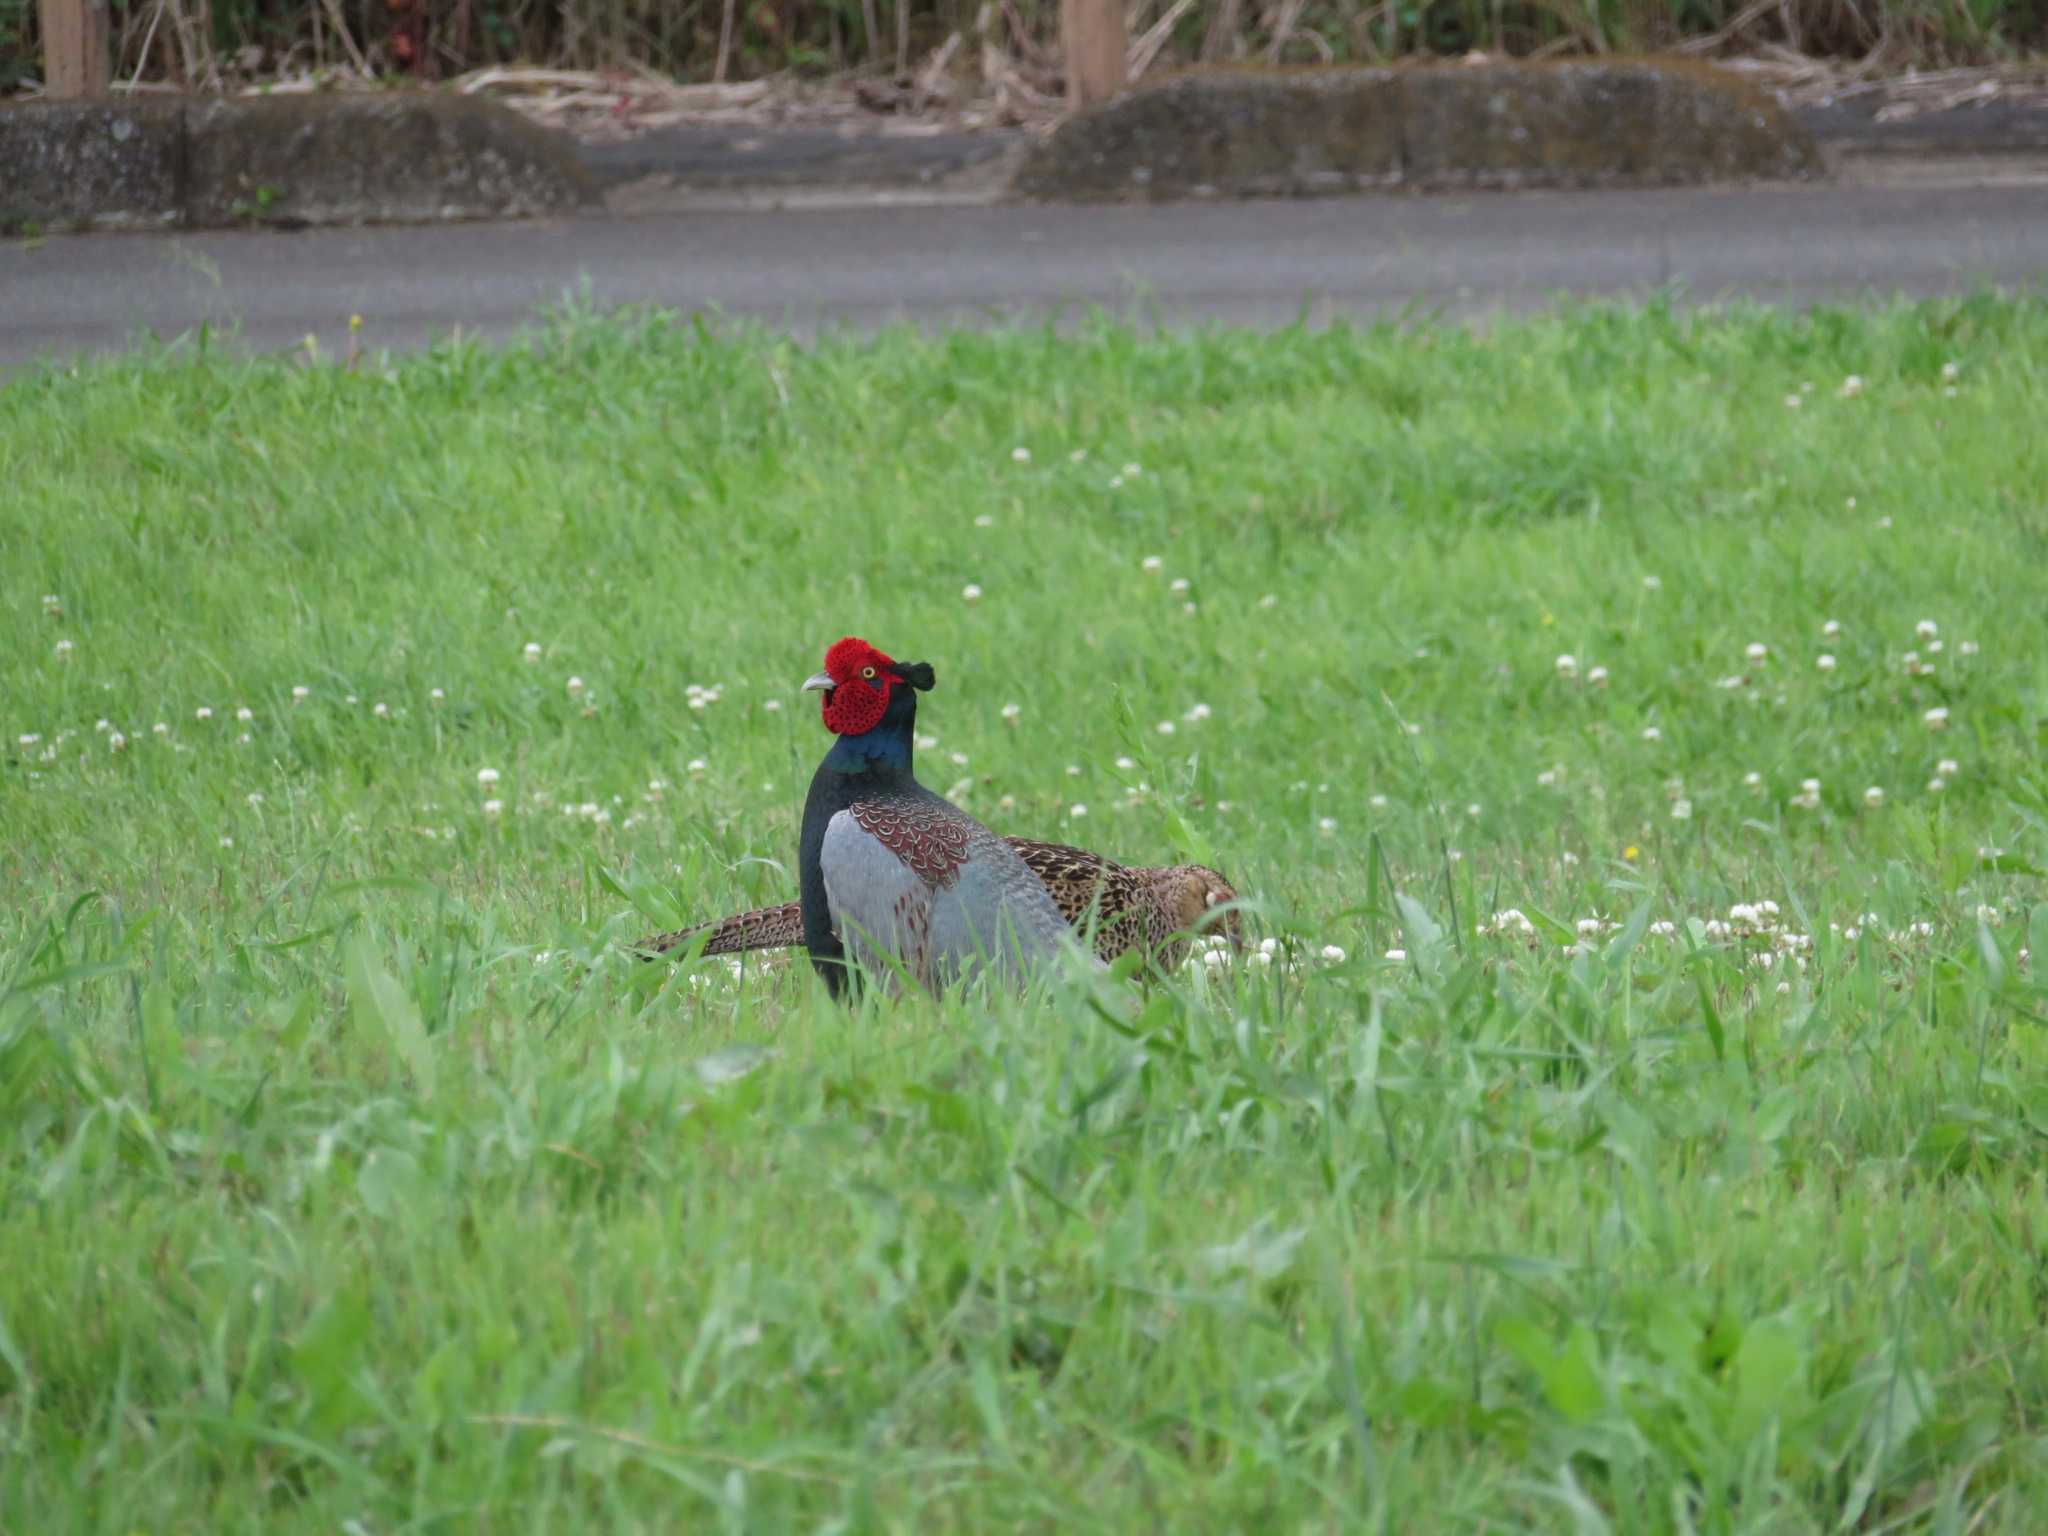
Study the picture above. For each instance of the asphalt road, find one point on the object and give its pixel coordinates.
(1240, 263)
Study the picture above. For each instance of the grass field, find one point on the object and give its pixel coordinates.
(351, 1179)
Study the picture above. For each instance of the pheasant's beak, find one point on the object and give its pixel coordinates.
(822, 683)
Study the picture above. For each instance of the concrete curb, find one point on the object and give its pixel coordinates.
(281, 161)
(1293, 133)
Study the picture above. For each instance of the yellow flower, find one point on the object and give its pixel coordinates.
(1631, 853)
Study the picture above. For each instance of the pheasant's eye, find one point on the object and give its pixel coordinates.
(867, 674)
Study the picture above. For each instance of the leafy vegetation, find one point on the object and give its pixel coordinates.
(199, 46)
(1620, 1131)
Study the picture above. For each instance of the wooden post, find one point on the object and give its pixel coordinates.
(75, 61)
(1094, 36)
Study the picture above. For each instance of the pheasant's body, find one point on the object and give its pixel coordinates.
(892, 876)
(1129, 908)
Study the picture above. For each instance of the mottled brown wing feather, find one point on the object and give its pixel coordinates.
(1138, 908)
(762, 928)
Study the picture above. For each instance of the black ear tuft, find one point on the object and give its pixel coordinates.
(916, 673)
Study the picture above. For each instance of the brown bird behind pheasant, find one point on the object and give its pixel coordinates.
(1150, 909)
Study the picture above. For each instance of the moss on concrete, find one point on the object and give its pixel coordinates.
(1300, 132)
(343, 159)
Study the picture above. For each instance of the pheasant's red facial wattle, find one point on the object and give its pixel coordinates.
(862, 680)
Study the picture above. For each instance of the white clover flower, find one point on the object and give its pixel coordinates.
(487, 776)
(1948, 767)
(922, 742)
(1547, 779)
(1377, 802)
(984, 521)
(1885, 522)
(1831, 629)
(301, 693)
(1934, 647)
(1852, 386)
(1567, 665)
(1165, 727)
(1926, 629)
(351, 699)
(1073, 770)
(245, 714)
(575, 686)
(1332, 955)
(103, 725)
(64, 650)
(28, 739)
(1132, 471)
(1824, 662)
(1733, 682)
(255, 798)
(1127, 763)
(116, 741)
(1793, 402)
(1197, 713)
(160, 729)
(1935, 785)
(1936, 719)
(1950, 372)
(1597, 677)
(1076, 811)
(1991, 917)
(959, 759)
(1473, 810)
(203, 712)
(227, 842)
(1873, 796)
(1756, 650)
(53, 605)
(1681, 809)
(1270, 600)
(532, 652)
(1808, 798)
(1179, 584)
(1151, 563)
(244, 739)
(381, 711)
(1653, 584)
(1187, 607)
(1020, 455)
(1664, 929)
(1327, 825)
(1079, 455)
(1651, 733)
(695, 767)
(772, 706)
(436, 695)
(1397, 955)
